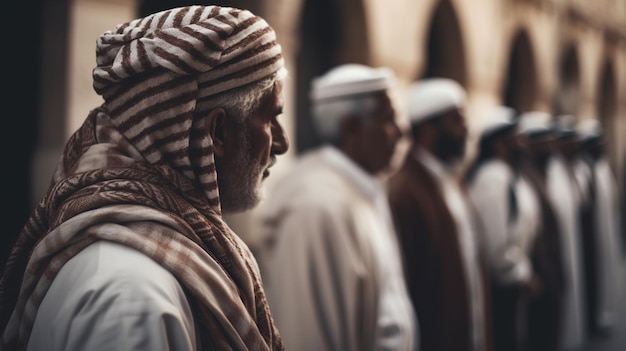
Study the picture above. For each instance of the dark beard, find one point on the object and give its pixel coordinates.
(517, 157)
(448, 148)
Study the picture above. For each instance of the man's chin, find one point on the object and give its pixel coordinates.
(243, 202)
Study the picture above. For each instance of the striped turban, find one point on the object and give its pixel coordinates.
(159, 73)
(224, 47)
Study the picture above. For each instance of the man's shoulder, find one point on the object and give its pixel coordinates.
(492, 173)
(413, 179)
(108, 271)
(115, 292)
(311, 183)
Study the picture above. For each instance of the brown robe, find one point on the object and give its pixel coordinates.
(434, 265)
(544, 310)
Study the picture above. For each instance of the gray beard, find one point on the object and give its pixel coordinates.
(240, 189)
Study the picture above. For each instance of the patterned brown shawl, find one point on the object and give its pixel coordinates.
(195, 245)
(140, 172)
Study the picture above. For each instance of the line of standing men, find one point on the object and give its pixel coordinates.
(357, 253)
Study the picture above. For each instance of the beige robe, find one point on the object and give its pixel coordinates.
(330, 261)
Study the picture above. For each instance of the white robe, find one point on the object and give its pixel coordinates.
(563, 193)
(607, 229)
(110, 297)
(582, 177)
(505, 243)
(330, 260)
(528, 222)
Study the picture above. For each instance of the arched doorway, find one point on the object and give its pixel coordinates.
(331, 33)
(567, 98)
(521, 86)
(445, 49)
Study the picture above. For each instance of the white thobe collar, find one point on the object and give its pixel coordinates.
(367, 184)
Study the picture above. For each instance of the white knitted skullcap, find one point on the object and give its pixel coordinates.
(534, 122)
(564, 125)
(589, 129)
(501, 117)
(430, 97)
(351, 79)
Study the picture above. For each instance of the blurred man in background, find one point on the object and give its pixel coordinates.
(607, 275)
(507, 210)
(434, 225)
(565, 197)
(329, 256)
(544, 322)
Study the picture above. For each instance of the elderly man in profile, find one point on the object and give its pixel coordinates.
(434, 221)
(329, 257)
(128, 248)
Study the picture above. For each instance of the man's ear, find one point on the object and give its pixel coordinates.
(215, 126)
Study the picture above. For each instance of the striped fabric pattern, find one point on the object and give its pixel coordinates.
(227, 47)
(158, 74)
(140, 171)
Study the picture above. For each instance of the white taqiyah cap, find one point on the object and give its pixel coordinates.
(429, 97)
(351, 79)
(589, 129)
(534, 122)
(564, 125)
(501, 117)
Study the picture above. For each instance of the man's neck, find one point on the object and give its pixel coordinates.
(428, 147)
(356, 156)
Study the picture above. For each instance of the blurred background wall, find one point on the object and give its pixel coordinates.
(560, 56)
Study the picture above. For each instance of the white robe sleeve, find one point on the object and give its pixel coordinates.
(111, 298)
(316, 282)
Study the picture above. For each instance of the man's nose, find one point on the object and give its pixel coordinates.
(280, 141)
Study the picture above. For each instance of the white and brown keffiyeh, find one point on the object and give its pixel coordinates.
(140, 172)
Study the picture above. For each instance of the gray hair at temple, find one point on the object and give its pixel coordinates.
(344, 91)
(239, 102)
